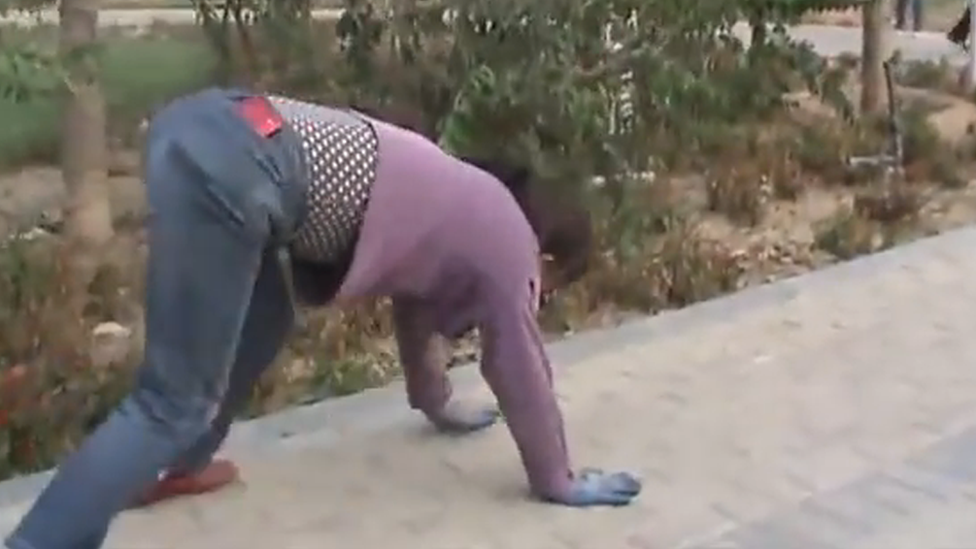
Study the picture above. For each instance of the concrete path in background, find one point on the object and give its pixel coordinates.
(832, 41)
(833, 410)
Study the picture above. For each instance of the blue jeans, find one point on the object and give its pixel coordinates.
(217, 312)
(901, 14)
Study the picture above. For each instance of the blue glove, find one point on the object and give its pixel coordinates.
(456, 418)
(593, 487)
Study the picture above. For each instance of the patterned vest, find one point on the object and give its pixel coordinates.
(341, 152)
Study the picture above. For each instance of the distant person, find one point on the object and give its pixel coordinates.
(959, 34)
(258, 203)
(902, 8)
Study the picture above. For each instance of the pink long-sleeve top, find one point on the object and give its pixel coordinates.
(448, 242)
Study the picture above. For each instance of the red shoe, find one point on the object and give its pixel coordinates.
(215, 476)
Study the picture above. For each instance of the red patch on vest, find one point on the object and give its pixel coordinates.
(261, 116)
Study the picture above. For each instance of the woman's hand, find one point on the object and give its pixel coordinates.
(593, 487)
(459, 418)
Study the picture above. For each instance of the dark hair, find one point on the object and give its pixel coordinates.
(561, 223)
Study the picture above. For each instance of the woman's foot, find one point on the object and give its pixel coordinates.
(218, 474)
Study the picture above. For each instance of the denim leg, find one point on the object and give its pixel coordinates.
(901, 13)
(917, 16)
(269, 320)
(208, 231)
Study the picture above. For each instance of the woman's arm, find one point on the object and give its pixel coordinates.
(424, 355)
(515, 365)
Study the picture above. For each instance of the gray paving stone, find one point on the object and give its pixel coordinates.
(834, 410)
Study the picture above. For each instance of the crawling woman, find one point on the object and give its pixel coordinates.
(261, 202)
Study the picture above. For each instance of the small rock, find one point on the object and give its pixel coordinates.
(300, 369)
(111, 344)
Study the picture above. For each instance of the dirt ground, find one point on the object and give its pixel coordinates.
(784, 244)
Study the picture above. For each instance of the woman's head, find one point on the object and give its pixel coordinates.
(561, 224)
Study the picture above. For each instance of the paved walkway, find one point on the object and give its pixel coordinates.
(834, 410)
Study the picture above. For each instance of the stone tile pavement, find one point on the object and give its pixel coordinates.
(834, 410)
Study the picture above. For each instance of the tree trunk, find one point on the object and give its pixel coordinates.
(88, 220)
(872, 56)
(758, 25)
